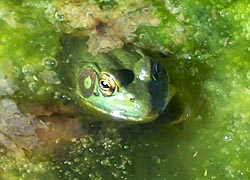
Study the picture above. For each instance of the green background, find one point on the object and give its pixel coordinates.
(209, 68)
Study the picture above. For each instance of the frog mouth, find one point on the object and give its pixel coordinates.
(124, 115)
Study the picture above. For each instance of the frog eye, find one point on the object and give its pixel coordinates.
(107, 84)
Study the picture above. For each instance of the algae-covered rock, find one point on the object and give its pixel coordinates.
(209, 68)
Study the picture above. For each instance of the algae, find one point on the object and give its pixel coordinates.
(209, 66)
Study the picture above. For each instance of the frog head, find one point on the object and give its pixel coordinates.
(124, 84)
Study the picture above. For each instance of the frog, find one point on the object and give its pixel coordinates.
(127, 84)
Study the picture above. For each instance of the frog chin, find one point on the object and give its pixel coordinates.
(124, 114)
(132, 117)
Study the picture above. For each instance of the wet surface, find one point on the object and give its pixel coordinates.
(209, 73)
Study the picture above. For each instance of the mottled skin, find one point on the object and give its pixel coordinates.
(125, 84)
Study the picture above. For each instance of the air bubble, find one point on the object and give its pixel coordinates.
(227, 138)
(57, 95)
(50, 63)
(59, 16)
(27, 68)
(32, 86)
(125, 147)
(187, 56)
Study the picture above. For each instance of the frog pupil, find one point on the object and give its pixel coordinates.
(104, 85)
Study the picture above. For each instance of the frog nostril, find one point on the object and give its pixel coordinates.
(132, 99)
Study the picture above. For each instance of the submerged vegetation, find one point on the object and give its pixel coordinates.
(208, 65)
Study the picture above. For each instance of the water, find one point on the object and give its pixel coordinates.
(209, 71)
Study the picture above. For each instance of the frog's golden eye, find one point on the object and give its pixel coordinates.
(107, 84)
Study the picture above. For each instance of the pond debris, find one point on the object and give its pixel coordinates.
(205, 172)
(49, 77)
(18, 130)
(108, 27)
(96, 155)
(195, 154)
(7, 87)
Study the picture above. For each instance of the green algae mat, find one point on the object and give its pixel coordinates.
(203, 45)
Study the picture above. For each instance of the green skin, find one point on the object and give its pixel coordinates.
(138, 90)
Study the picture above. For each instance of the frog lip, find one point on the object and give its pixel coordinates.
(121, 114)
